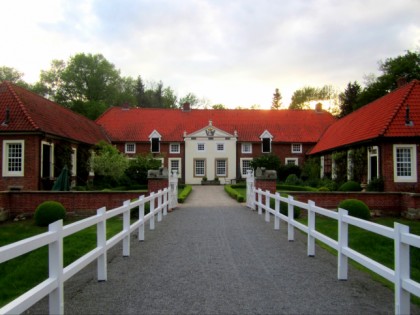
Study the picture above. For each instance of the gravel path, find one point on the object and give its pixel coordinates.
(215, 256)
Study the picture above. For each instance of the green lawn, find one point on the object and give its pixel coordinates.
(23, 273)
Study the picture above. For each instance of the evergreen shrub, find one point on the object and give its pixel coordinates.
(49, 212)
(350, 186)
(356, 208)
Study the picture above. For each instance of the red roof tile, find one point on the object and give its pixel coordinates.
(30, 112)
(136, 124)
(384, 117)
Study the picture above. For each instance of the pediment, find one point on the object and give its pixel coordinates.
(209, 131)
(266, 134)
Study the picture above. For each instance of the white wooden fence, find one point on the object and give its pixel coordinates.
(54, 284)
(404, 285)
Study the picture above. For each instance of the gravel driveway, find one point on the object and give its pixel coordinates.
(215, 256)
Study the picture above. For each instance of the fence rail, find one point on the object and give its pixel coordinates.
(400, 276)
(53, 286)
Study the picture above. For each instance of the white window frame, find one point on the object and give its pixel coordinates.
(294, 160)
(176, 146)
(220, 149)
(6, 172)
(204, 168)
(73, 161)
(296, 147)
(201, 144)
(243, 169)
(413, 163)
(179, 171)
(244, 147)
(373, 152)
(127, 147)
(52, 161)
(216, 167)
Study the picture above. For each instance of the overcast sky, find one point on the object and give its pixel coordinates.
(230, 52)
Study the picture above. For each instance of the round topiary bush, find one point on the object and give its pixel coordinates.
(350, 186)
(49, 212)
(292, 179)
(356, 208)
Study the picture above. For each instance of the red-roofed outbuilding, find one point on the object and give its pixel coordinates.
(35, 133)
(389, 129)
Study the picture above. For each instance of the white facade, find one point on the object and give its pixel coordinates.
(211, 153)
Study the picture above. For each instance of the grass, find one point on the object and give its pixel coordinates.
(24, 272)
(374, 246)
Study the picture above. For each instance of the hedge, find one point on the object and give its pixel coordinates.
(234, 193)
(182, 195)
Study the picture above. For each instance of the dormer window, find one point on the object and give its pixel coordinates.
(296, 148)
(266, 138)
(155, 138)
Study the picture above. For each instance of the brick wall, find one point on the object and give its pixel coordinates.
(81, 203)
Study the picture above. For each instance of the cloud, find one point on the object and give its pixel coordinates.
(232, 52)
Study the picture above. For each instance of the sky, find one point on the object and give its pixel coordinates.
(230, 52)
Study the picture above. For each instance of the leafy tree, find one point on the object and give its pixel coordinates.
(349, 98)
(276, 104)
(169, 98)
(10, 74)
(50, 80)
(255, 106)
(138, 167)
(269, 161)
(189, 98)
(108, 162)
(218, 106)
(393, 69)
(301, 98)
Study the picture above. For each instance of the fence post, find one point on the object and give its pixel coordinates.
(311, 228)
(141, 219)
(152, 211)
(343, 241)
(250, 194)
(126, 228)
(165, 201)
(267, 206)
(159, 198)
(55, 260)
(277, 209)
(402, 270)
(101, 243)
(259, 193)
(290, 214)
(173, 191)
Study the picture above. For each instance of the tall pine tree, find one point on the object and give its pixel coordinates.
(276, 100)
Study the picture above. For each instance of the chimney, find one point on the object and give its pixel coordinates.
(318, 107)
(401, 81)
(186, 107)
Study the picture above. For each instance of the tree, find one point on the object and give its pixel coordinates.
(276, 104)
(138, 167)
(269, 161)
(189, 98)
(349, 98)
(301, 98)
(406, 67)
(218, 106)
(108, 162)
(10, 74)
(50, 80)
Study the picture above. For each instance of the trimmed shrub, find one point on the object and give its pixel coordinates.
(356, 208)
(49, 212)
(350, 186)
(282, 187)
(323, 188)
(292, 179)
(376, 184)
(230, 190)
(184, 193)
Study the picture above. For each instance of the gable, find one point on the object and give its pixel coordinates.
(209, 131)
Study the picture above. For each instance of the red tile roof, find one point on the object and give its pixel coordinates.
(136, 124)
(30, 112)
(384, 117)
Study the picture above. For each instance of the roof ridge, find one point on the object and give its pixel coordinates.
(21, 104)
(410, 88)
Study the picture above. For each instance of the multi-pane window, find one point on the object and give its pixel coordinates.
(130, 148)
(174, 148)
(266, 145)
(405, 160)
(296, 148)
(175, 165)
(246, 148)
(13, 158)
(155, 145)
(245, 166)
(199, 167)
(200, 146)
(291, 161)
(220, 146)
(221, 168)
